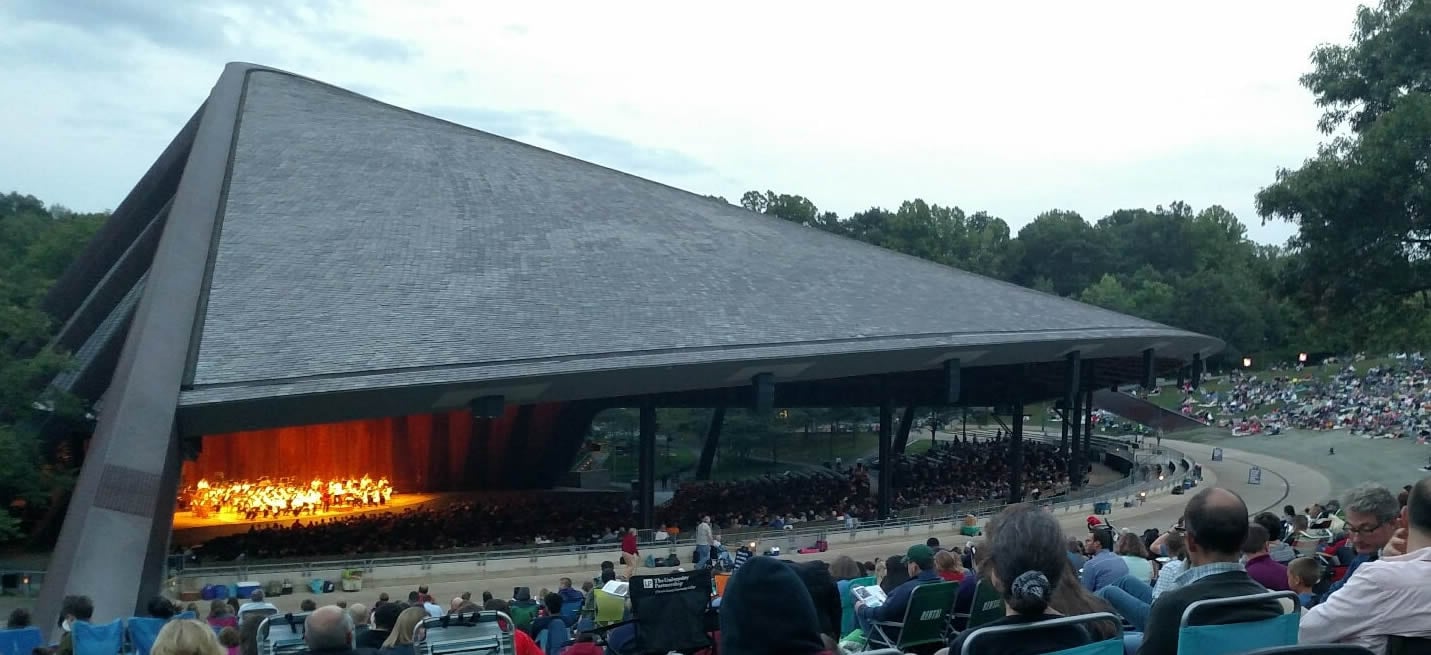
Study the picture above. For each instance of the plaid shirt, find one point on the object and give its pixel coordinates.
(1199, 572)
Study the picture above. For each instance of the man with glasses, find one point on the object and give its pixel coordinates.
(1371, 511)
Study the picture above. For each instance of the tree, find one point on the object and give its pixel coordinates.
(1363, 203)
(1063, 248)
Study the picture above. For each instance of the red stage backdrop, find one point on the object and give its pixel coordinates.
(423, 452)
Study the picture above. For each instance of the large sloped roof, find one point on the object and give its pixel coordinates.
(360, 246)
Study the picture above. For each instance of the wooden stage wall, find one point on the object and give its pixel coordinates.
(530, 446)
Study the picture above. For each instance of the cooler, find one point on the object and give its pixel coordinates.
(1104, 507)
(246, 589)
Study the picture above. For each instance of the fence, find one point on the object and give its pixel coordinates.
(920, 521)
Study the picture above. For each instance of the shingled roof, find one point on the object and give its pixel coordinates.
(358, 246)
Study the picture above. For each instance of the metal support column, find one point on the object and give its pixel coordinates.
(1016, 445)
(708, 450)
(1063, 425)
(886, 450)
(646, 465)
(1087, 431)
(1074, 417)
(901, 441)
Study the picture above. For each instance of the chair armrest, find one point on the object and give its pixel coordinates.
(889, 624)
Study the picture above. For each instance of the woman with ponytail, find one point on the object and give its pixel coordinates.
(1026, 563)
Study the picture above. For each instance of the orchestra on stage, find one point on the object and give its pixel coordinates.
(268, 498)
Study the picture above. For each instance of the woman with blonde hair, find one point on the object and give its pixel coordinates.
(187, 637)
(399, 641)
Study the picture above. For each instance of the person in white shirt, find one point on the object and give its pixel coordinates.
(256, 602)
(703, 542)
(1387, 597)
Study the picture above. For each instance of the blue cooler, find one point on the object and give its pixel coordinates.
(246, 589)
(1104, 507)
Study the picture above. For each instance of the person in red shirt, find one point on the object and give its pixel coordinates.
(948, 566)
(629, 553)
(524, 644)
(583, 646)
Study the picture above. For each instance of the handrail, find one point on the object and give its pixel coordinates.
(910, 518)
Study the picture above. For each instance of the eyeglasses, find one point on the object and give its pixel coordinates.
(1365, 529)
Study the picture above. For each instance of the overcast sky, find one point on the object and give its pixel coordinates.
(1013, 108)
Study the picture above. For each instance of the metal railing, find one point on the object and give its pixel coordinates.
(909, 520)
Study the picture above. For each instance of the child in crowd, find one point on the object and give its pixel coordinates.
(1303, 574)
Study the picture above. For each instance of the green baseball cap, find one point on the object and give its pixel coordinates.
(920, 554)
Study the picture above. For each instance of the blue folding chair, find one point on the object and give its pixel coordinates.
(1314, 649)
(186, 615)
(570, 610)
(1112, 646)
(143, 631)
(1230, 638)
(20, 641)
(97, 639)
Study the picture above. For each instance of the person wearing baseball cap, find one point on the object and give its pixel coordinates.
(920, 559)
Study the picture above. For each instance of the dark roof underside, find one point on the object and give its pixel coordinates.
(363, 246)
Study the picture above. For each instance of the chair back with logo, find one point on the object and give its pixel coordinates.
(282, 635)
(670, 611)
(924, 618)
(1229, 638)
(1113, 646)
(20, 641)
(988, 604)
(847, 604)
(143, 631)
(481, 633)
(97, 639)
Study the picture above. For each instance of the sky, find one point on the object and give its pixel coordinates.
(1010, 108)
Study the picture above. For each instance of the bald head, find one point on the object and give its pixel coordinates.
(328, 627)
(1216, 523)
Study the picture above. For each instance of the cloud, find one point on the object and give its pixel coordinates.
(551, 129)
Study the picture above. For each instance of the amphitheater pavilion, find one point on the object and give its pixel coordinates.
(310, 278)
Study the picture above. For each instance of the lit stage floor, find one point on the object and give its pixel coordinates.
(191, 529)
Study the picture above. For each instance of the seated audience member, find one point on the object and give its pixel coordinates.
(844, 569)
(159, 607)
(767, 611)
(920, 571)
(230, 639)
(824, 593)
(1027, 559)
(19, 618)
(1277, 549)
(896, 573)
(568, 594)
(1176, 547)
(1304, 573)
(256, 602)
(359, 613)
(220, 616)
(1259, 564)
(186, 637)
(948, 566)
(399, 641)
(552, 604)
(585, 644)
(1075, 554)
(1387, 597)
(1216, 524)
(1103, 567)
(1371, 512)
(384, 617)
(329, 631)
(72, 608)
(308, 605)
(1130, 547)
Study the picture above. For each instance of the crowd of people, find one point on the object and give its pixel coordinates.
(270, 498)
(1358, 569)
(1389, 401)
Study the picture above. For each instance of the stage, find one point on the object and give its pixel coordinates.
(190, 529)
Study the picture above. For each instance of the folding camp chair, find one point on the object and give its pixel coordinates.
(670, 613)
(610, 608)
(97, 639)
(1313, 649)
(1229, 638)
(485, 633)
(282, 634)
(988, 605)
(142, 631)
(1112, 646)
(847, 604)
(924, 618)
(20, 641)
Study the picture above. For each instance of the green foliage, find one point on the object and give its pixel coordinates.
(36, 245)
(1363, 203)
